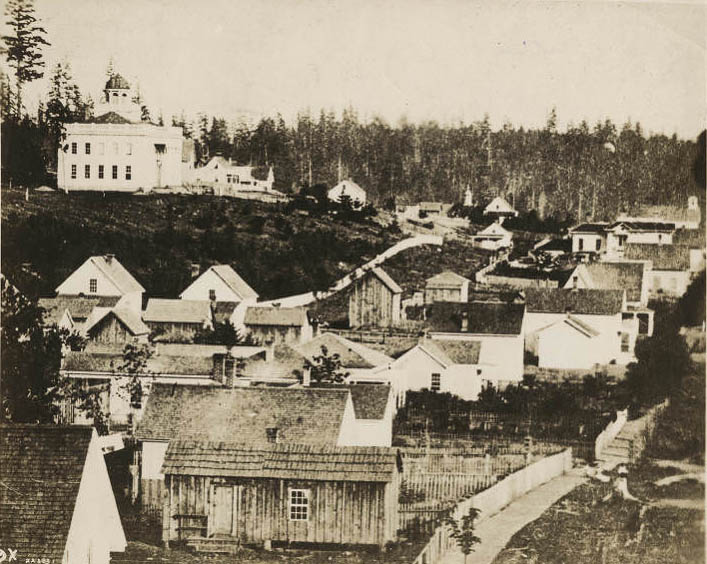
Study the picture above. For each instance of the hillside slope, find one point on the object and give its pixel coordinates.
(158, 237)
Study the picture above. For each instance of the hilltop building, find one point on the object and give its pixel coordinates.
(227, 177)
(347, 188)
(116, 151)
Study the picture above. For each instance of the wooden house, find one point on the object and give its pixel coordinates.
(277, 325)
(255, 415)
(668, 267)
(56, 500)
(78, 307)
(177, 320)
(493, 237)
(104, 276)
(223, 493)
(374, 300)
(446, 286)
(220, 283)
(115, 325)
(347, 188)
(500, 209)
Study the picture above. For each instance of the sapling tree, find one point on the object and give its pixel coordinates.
(326, 368)
(462, 531)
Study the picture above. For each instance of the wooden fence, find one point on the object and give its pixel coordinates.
(493, 499)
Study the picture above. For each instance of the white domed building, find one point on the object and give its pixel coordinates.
(116, 151)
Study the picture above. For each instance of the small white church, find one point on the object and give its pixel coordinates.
(116, 151)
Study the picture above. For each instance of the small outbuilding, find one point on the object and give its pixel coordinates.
(220, 494)
(446, 286)
(500, 209)
(278, 325)
(374, 300)
(347, 188)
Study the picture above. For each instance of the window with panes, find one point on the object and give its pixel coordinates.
(299, 505)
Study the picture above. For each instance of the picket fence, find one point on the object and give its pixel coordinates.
(495, 498)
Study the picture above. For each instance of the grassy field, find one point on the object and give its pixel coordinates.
(668, 527)
(277, 251)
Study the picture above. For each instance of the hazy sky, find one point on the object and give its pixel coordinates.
(442, 60)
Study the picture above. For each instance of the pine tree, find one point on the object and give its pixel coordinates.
(24, 46)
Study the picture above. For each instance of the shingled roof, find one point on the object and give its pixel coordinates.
(128, 318)
(110, 117)
(352, 355)
(663, 257)
(288, 461)
(177, 311)
(276, 316)
(40, 473)
(301, 415)
(618, 276)
(369, 400)
(453, 352)
(482, 318)
(79, 307)
(446, 279)
(578, 301)
(115, 272)
(232, 279)
(590, 228)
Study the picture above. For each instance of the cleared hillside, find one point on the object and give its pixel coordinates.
(158, 237)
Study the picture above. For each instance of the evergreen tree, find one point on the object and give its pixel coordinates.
(24, 46)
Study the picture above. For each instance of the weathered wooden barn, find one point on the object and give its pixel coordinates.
(115, 325)
(177, 320)
(374, 300)
(278, 325)
(219, 495)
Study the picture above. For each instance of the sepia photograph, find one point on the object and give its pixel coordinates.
(353, 282)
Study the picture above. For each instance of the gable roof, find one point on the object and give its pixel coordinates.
(483, 317)
(599, 228)
(231, 278)
(311, 462)
(502, 203)
(177, 311)
(352, 355)
(446, 279)
(578, 301)
(276, 316)
(40, 473)
(110, 117)
(302, 415)
(128, 318)
(114, 271)
(431, 206)
(53, 312)
(572, 322)
(650, 226)
(559, 245)
(618, 276)
(663, 257)
(110, 359)
(453, 352)
(284, 362)
(79, 307)
(345, 186)
(369, 400)
(383, 276)
(494, 229)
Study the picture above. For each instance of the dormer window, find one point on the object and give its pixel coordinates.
(272, 434)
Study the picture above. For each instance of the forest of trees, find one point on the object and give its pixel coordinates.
(588, 169)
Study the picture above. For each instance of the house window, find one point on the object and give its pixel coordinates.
(624, 342)
(271, 433)
(574, 282)
(88, 148)
(598, 244)
(87, 171)
(299, 505)
(436, 383)
(93, 285)
(115, 148)
(212, 295)
(115, 172)
(129, 149)
(100, 171)
(581, 244)
(74, 148)
(128, 172)
(73, 172)
(228, 179)
(101, 148)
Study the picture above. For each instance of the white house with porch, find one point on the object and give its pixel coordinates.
(493, 237)
(227, 177)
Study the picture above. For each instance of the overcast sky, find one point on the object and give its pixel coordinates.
(441, 60)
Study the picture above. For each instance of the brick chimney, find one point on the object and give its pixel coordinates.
(109, 258)
(195, 269)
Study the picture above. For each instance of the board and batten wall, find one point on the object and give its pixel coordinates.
(255, 510)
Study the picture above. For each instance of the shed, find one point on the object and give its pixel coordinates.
(278, 325)
(219, 492)
(446, 286)
(374, 300)
(115, 325)
(177, 319)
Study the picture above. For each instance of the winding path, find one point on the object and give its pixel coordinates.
(309, 297)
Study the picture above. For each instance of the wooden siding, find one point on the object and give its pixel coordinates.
(372, 304)
(171, 330)
(339, 512)
(110, 330)
(274, 334)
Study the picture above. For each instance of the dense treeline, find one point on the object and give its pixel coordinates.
(585, 169)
